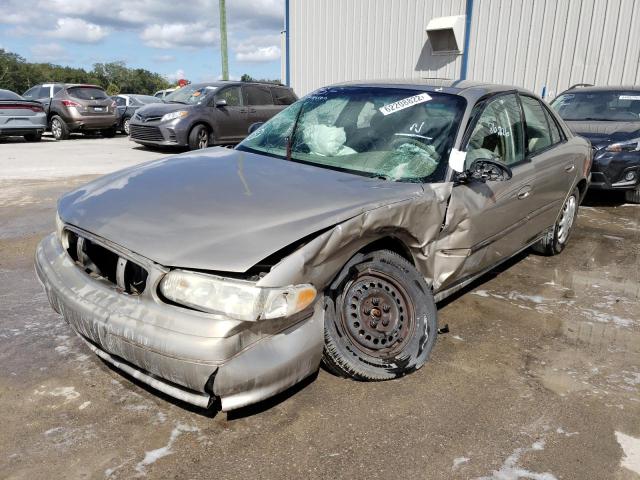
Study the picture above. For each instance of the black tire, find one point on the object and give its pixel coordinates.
(33, 137)
(632, 196)
(358, 343)
(557, 237)
(199, 137)
(59, 128)
(125, 125)
(108, 132)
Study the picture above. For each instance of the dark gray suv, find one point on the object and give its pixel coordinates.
(204, 114)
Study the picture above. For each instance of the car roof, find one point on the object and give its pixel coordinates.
(609, 88)
(470, 89)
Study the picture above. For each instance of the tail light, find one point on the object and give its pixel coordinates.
(18, 106)
(70, 103)
(36, 108)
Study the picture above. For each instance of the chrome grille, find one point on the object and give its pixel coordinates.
(99, 261)
(145, 132)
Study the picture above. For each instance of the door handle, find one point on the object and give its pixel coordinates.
(524, 193)
(570, 168)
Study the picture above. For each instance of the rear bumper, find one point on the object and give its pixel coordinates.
(92, 123)
(19, 125)
(185, 354)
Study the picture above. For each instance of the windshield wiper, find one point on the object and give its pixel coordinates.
(292, 137)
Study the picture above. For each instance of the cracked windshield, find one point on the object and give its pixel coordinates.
(393, 133)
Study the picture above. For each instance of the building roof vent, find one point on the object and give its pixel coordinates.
(446, 35)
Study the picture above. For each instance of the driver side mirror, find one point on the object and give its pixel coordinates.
(221, 103)
(487, 170)
(254, 126)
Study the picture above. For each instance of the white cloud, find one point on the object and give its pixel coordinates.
(78, 30)
(49, 53)
(171, 35)
(258, 49)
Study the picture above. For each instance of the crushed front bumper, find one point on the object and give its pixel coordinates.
(188, 355)
(610, 169)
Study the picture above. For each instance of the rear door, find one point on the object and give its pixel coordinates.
(258, 100)
(487, 222)
(553, 160)
(230, 123)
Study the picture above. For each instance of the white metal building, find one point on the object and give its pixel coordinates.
(543, 45)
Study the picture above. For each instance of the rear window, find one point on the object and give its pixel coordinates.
(87, 93)
(283, 96)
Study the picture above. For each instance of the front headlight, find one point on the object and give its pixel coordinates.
(238, 299)
(626, 146)
(60, 233)
(173, 115)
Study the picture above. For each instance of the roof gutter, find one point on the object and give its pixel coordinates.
(467, 39)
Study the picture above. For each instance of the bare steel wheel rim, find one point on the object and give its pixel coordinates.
(56, 129)
(126, 126)
(566, 220)
(377, 314)
(203, 139)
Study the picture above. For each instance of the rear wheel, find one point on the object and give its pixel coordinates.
(59, 128)
(199, 137)
(33, 137)
(125, 126)
(632, 196)
(380, 321)
(557, 237)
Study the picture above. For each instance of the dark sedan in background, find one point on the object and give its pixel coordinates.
(204, 114)
(127, 105)
(609, 117)
(21, 117)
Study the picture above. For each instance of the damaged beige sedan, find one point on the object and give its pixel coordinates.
(328, 235)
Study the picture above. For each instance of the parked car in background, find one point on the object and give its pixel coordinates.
(75, 108)
(126, 106)
(203, 114)
(328, 233)
(21, 117)
(609, 117)
(163, 93)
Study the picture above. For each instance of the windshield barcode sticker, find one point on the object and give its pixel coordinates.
(629, 97)
(404, 103)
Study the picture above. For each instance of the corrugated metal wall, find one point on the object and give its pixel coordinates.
(555, 43)
(530, 43)
(338, 40)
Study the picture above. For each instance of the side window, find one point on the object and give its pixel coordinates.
(32, 92)
(121, 102)
(498, 133)
(556, 136)
(282, 96)
(538, 134)
(257, 95)
(57, 89)
(45, 92)
(231, 95)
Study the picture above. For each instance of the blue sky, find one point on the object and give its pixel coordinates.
(176, 39)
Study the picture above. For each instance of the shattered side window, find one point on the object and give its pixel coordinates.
(394, 133)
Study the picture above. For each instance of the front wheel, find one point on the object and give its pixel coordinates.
(198, 138)
(380, 321)
(557, 237)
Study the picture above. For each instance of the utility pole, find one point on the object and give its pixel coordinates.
(223, 40)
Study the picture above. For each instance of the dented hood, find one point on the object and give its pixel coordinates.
(221, 209)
